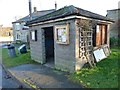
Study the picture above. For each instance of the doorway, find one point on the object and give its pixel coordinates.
(49, 45)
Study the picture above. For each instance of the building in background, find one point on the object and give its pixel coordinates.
(6, 34)
(115, 27)
(20, 31)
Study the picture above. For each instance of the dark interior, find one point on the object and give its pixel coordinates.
(49, 43)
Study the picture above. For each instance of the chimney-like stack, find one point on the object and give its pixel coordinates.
(35, 9)
(30, 9)
(55, 6)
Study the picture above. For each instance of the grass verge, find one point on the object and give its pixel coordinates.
(103, 75)
(15, 61)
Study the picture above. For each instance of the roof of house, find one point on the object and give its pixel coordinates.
(68, 11)
(114, 9)
(34, 15)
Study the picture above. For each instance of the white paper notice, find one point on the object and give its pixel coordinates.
(59, 32)
(33, 35)
(64, 38)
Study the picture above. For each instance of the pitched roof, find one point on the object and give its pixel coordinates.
(114, 9)
(35, 15)
(68, 11)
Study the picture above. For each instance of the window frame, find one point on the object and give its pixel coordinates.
(18, 36)
(33, 37)
(63, 29)
(17, 26)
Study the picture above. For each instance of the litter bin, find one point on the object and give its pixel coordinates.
(22, 49)
(11, 50)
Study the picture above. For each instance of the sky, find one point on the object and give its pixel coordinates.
(11, 10)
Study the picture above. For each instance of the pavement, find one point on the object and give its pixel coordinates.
(9, 81)
(40, 76)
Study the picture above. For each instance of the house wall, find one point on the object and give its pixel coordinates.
(64, 54)
(114, 14)
(17, 29)
(14, 33)
(6, 34)
(36, 46)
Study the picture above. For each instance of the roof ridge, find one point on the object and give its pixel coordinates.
(45, 10)
(56, 11)
(34, 14)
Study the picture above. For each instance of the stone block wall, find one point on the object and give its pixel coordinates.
(36, 46)
(65, 54)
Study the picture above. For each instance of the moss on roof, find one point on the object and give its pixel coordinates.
(68, 11)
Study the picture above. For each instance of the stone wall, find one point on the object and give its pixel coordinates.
(36, 46)
(65, 54)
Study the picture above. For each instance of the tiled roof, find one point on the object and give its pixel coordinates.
(35, 15)
(68, 11)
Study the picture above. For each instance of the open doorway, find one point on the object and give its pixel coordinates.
(49, 45)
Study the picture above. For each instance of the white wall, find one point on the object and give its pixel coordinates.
(4, 39)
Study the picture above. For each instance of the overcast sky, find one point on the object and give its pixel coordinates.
(9, 9)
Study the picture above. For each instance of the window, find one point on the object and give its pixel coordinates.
(17, 26)
(33, 35)
(17, 36)
(8, 34)
(62, 34)
(100, 35)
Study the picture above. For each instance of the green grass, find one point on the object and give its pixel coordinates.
(103, 75)
(15, 61)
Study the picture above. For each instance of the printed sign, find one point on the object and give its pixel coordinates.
(62, 32)
(62, 36)
(99, 54)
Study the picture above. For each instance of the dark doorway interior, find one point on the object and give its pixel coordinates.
(49, 44)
